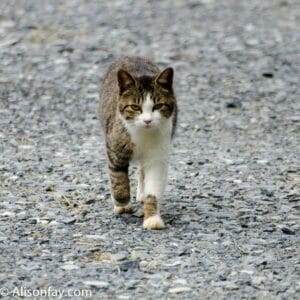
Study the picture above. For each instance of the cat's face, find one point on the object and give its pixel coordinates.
(146, 102)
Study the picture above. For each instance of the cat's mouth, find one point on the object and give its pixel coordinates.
(149, 126)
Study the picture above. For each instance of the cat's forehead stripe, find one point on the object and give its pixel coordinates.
(146, 97)
(140, 100)
(148, 104)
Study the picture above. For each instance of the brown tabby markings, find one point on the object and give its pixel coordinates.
(141, 181)
(119, 92)
(150, 206)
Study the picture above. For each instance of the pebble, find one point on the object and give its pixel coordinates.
(143, 264)
(96, 283)
(234, 104)
(172, 264)
(249, 272)
(177, 290)
(286, 230)
(70, 220)
(69, 267)
(180, 281)
(120, 256)
(232, 287)
(95, 237)
(257, 280)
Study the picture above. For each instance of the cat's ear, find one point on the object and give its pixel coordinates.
(165, 79)
(125, 80)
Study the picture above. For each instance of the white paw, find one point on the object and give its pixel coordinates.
(123, 209)
(154, 222)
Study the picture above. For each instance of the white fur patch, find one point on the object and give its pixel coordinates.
(155, 177)
(154, 222)
(151, 147)
(151, 141)
(147, 108)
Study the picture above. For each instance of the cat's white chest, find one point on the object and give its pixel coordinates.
(151, 144)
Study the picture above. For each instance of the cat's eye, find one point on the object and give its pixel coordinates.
(158, 106)
(135, 107)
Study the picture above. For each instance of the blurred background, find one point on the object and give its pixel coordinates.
(234, 171)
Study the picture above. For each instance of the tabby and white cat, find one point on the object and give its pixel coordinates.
(138, 114)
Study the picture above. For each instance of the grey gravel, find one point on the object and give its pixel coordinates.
(232, 203)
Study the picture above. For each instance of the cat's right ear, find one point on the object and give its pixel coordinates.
(125, 80)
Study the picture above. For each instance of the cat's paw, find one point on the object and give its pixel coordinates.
(154, 222)
(118, 210)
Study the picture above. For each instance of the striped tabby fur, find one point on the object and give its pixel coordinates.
(138, 115)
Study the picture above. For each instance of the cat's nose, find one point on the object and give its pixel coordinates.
(147, 121)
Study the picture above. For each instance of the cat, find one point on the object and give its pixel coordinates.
(138, 113)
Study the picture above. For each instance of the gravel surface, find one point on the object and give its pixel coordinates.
(232, 203)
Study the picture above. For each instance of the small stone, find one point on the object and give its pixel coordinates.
(258, 280)
(184, 125)
(22, 215)
(7, 24)
(252, 42)
(129, 265)
(180, 281)
(234, 104)
(172, 264)
(90, 201)
(64, 48)
(249, 272)
(262, 161)
(143, 264)
(70, 220)
(69, 267)
(101, 256)
(287, 231)
(178, 290)
(50, 188)
(95, 237)
(120, 256)
(124, 297)
(42, 221)
(96, 284)
(232, 287)
(139, 255)
(54, 223)
(267, 74)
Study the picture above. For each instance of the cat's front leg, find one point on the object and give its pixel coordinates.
(154, 186)
(120, 190)
(140, 186)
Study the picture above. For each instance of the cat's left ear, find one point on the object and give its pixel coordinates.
(165, 79)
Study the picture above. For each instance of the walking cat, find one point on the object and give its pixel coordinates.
(138, 113)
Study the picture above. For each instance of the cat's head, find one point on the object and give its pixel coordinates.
(146, 102)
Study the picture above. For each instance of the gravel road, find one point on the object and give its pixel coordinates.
(232, 202)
